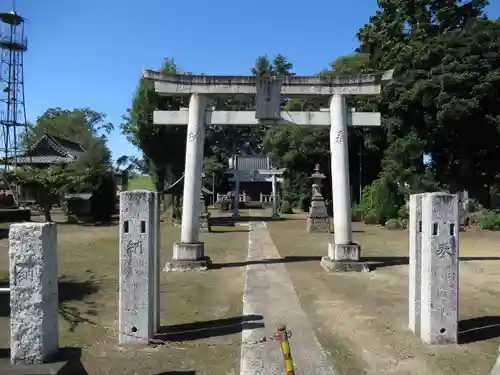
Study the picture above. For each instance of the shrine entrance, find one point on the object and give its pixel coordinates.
(268, 91)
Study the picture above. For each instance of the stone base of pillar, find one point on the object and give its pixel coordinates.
(344, 265)
(63, 363)
(205, 223)
(188, 257)
(316, 224)
(351, 252)
(344, 258)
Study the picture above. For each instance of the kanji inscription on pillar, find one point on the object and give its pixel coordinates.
(137, 247)
(340, 138)
(439, 279)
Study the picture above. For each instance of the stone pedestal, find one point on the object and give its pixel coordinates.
(318, 220)
(188, 257)
(440, 261)
(34, 301)
(344, 258)
(205, 223)
(138, 311)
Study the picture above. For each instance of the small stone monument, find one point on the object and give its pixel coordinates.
(318, 220)
(34, 303)
(433, 272)
(439, 278)
(138, 313)
(204, 216)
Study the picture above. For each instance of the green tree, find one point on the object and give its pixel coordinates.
(163, 146)
(446, 78)
(83, 125)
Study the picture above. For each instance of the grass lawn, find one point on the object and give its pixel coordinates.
(141, 182)
(88, 267)
(362, 318)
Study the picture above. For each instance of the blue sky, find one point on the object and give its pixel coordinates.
(90, 53)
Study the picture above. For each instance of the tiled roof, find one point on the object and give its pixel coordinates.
(47, 159)
(65, 151)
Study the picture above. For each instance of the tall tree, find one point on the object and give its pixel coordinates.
(445, 59)
(162, 146)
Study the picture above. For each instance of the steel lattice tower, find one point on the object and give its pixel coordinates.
(13, 44)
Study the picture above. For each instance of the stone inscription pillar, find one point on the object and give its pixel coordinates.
(415, 266)
(34, 300)
(138, 285)
(440, 262)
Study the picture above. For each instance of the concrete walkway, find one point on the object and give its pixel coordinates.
(269, 292)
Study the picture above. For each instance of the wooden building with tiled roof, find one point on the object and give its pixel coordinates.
(50, 150)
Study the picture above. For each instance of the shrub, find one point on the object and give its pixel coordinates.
(286, 207)
(396, 223)
(403, 212)
(356, 213)
(305, 203)
(370, 218)
(380, 202)
(489, 220)
(103, 203)
(329, 208)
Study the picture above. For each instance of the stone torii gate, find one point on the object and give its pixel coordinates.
(343, 254)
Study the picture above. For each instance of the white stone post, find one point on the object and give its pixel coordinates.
(261, 199)
(415, 264)
(193, 169)
(276, 213)
(189, 254)
(34, 300)
(340, 171)
(156, 261)
(236, 211)
(440, 262)
(138, 284)
(343, 254)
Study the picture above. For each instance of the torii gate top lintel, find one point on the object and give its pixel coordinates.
(185, 84)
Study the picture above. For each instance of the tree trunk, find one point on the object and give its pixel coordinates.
(46, 205)
(46, 213)
(169, 200)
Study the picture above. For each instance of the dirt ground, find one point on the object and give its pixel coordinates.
(361, 318)
(201, 312)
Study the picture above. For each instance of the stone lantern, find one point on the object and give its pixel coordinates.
(318, 220)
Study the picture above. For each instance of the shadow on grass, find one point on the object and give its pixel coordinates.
(69, 290)
(210, 328)
(230, 231)
(380, 262)
(287, 259)
(66, 360)
(478, 329)
(97, 224)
